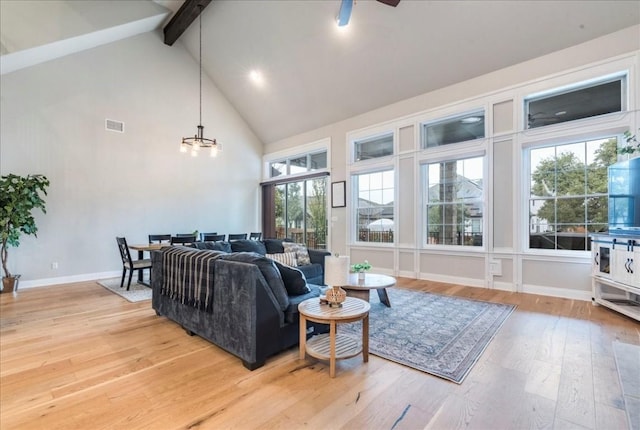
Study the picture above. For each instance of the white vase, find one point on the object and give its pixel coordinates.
(361, 276)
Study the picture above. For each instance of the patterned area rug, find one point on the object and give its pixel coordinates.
(136, 293)
(440, 335)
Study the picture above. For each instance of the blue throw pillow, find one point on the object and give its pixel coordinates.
(294, 280)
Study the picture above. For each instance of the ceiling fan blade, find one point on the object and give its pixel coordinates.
(393, 3)
(345, 12)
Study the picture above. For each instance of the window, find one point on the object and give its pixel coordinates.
(568, 193)
(300, 210)
(578, 102)
(298, 164)
(461, 128)
(375, 147)
(454, 202)
(374, 206)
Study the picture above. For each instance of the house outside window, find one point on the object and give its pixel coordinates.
(454, 196)
(374, 202)
(568, 197)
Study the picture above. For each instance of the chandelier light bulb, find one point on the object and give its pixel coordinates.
(214, 151)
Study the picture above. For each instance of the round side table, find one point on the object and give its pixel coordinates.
(332, 346)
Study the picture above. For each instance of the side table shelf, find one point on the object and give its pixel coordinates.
(320, 347)
(619, 297)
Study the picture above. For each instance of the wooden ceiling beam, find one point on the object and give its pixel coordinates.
(183, 18)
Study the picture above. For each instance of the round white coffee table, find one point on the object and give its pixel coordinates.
(334, 347)
(372, 281)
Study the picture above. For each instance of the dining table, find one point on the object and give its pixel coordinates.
(142, 248)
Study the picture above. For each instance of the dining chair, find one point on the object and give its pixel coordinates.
(202, 235)
(255, 236)
(184, 234)
(238, 236)
(159, 238)
(183, 239)
(128, 263)
(206, 237)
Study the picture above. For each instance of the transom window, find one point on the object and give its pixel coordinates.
(298, 164)
(461, 128)
(375, 147)
(454, 202)
(568, 193)
(375, 220)
(583, 101)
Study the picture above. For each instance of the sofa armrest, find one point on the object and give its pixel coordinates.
(317, 256)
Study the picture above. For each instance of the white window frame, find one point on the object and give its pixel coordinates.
(299, 151)
(584, 129)
(354, 194)
(458, 114)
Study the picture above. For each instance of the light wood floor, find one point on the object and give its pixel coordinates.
(77, 356)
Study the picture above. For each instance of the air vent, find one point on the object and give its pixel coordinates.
(113, 125)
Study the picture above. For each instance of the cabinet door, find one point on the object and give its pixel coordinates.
(635, 267)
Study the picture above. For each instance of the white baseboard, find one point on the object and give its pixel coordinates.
(504, 286)
(564, 293)
(407, 274)
(469, 282)
(68, 279)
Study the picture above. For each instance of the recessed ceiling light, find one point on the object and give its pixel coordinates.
(256, 77)
(562, 112)
(471, 120)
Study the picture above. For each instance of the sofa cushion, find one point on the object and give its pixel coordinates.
(269, 271)
(287, 258)
(291, 314)
(216, 246)
(246, 245)
(313, 272)
(300, 250)
(294, 280)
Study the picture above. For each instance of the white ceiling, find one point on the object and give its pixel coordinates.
(316, 75)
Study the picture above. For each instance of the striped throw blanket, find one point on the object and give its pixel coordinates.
(188, 276)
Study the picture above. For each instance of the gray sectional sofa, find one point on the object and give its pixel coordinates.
(241, 301)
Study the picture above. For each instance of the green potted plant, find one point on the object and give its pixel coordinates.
(19, 195)
(361, 268)
(632, 145)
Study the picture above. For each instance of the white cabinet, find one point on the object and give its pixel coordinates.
(616, 273)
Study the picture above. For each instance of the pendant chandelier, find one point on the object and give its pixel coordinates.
(199, 141)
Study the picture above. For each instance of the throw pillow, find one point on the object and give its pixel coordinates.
(216, 246)
(246, 245)
(294, 280)
(287, 258)
(301, 252)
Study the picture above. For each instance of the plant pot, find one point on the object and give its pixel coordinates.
(10, 284)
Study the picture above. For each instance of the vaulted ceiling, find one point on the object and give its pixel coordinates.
(314, 74)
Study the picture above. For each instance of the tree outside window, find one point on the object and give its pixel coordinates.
(568, 193)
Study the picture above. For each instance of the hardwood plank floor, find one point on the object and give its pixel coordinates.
(76, 356)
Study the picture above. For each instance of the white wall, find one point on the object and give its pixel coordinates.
(503, 242)
(106, 184)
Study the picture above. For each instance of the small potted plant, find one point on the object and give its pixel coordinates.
(19, 195)
(360, 269)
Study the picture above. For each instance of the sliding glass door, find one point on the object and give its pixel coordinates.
(300, 211)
